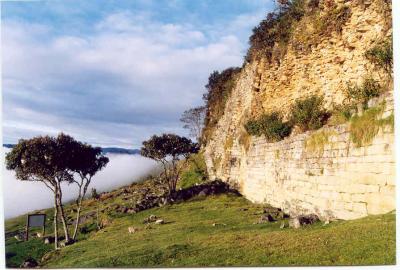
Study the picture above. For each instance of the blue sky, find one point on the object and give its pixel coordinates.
(113, 73)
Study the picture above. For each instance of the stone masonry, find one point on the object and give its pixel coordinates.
(337, 180)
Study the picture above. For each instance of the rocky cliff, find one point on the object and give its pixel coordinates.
(335, 178)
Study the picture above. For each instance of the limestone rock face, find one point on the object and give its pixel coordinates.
(340, 180)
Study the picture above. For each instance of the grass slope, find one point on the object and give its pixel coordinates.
(189, 239)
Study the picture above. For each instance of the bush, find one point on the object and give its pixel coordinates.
(269, 125)
(362, 94)
(308, 113)
(219, 87)
(341, 114)
(382, 55)
(276, 28)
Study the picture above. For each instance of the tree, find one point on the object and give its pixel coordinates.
(42, 159)
(53, 160)
(194, 120)
(169, 149)
(86, 161)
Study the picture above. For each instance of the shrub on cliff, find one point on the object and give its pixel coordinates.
(364, 92)
(219, 87)
(270, 125)
(275, 29)
(382, 55)
(308, 113)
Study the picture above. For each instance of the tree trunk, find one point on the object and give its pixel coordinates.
(78, 214)
(60, 205)
(55, 220)
(79, 205)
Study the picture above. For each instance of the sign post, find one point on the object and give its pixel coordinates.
(35, 220)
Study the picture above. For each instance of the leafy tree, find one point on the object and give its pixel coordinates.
(194, 120)
(42, 159)
(169, 149)
(53, 160)
(86, 161)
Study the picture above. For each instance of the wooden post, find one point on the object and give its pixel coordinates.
(27, 228)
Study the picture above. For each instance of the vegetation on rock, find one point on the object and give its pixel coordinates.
(219, 87)
(270, 125)
(364, 128)
(308, 113)
(270, 38)
(356, 94)
(382, 55)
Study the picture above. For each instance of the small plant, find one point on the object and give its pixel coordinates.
(382, 55)
(341, 114)
(317, 141)
(364, 128)
(269, 125)
(362, 94)
(308, 113)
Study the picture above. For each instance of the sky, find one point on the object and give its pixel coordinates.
(113, 73)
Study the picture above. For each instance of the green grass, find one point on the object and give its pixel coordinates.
(195, 171)
(189, 239)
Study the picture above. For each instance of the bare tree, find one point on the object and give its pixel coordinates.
(194, 121)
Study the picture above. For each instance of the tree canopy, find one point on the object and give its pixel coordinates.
(52, 160)
(168, 149)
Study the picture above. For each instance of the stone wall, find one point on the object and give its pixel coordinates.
(340, 180)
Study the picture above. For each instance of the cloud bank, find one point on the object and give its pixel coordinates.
(127, 77)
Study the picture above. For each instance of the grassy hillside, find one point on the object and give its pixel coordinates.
(218, 230)
(189, 239)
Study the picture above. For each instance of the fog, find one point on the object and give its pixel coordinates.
(24, 196)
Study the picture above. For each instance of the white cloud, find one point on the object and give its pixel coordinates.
(130, 73)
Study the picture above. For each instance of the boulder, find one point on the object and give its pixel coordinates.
(159, 221)
(308, 219)
(132, 229)
(302, 220)
(18, 237)
(29, 263)
(294, 223)
(48, 240)
(150, 219)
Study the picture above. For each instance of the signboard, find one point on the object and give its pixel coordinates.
(35, 220)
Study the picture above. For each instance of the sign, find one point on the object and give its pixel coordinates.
(35, 220)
